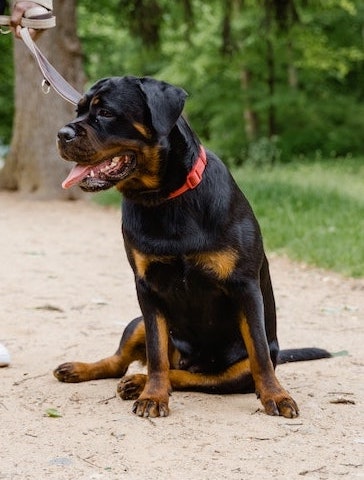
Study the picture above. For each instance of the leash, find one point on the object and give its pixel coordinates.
(51, 77)
(41, 17)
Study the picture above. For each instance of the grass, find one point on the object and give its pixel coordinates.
(312, 212)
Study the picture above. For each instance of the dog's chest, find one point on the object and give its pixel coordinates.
(184, 272)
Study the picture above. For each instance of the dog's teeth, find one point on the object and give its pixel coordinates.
(92, 173)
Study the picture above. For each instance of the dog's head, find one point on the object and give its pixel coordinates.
(119, 131)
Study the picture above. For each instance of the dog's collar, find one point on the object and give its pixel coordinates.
(194, 177)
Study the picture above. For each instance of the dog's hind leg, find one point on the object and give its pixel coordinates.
(131, 348)
(235, 379)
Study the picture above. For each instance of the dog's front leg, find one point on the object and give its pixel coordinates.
(273, 396)
(153, 401)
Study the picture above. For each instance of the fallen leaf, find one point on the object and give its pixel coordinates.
(53, 413)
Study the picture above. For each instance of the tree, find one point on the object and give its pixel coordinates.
(33, 166)
(277, 78)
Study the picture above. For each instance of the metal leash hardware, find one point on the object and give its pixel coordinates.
(51, 77)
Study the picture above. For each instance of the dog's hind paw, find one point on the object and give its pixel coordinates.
(131, 386)
(71, 372)
(149, 404)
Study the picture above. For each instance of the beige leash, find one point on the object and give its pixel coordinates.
(51, 76)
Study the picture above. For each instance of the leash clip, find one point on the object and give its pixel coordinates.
(46, 86)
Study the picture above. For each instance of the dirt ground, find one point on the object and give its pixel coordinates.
(66, 294)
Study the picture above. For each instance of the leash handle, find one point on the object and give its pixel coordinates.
(51, 75)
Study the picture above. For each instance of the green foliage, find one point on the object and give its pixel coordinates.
(265, 152)
(333, 129)
(305, 64)
(108, 47)
(321, 112)
(314, 212)
(52, 413)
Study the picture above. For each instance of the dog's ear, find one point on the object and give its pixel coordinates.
(165, 103)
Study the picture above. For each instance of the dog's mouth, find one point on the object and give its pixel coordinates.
(103, 175)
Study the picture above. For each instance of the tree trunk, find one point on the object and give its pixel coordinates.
(268, 22)
(251, 121)
(33, 166)
(272, 128)
(291, 70)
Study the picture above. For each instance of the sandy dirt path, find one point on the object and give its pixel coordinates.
(67, 293)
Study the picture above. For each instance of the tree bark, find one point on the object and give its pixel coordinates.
(33, 165)
(291, 70)
(251, 121)
(272, 127)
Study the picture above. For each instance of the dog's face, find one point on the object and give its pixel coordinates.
(117, 136)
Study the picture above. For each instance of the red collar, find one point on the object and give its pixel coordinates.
(194, 177)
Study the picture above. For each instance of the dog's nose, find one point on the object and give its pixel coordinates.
(66, 133)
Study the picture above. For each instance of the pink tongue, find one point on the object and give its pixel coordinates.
(77, 173)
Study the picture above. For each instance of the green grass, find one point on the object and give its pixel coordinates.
(108, 198)
(312, 212)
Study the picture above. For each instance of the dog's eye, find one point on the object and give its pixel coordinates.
(104, 113)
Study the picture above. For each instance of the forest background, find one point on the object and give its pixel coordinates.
(274, 85)
(268, 79)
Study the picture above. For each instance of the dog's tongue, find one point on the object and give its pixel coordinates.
(77, 173)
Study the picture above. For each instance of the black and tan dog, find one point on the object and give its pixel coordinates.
(202, 279)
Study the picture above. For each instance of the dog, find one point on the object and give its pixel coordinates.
(202, 278)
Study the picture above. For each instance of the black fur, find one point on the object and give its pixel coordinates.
(200, 269)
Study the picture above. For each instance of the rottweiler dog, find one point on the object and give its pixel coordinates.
(202, 278)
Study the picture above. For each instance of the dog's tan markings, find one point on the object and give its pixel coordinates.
(134, 347)
(249, 343)
(147, 173)
(153, 401)
(237, 376)
(162, 331)
(143, 261)
(74, 372)
(273, 396)
(150, 168)
(142, 129)
(95, 101)
(130, 350)
(220, 263)
(184, 380)
(263, 374)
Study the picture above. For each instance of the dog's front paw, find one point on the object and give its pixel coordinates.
(71, 372)
(283, 405)
(131, 386)
(150, 407)
(149, 403)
